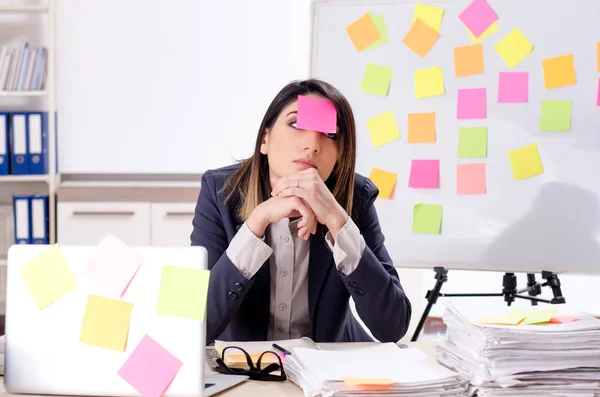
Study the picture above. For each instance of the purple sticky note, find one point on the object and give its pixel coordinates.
(478, 16)
(424, 174)
(513, 87)
(150, 368)
(471, 104)
(316, 114)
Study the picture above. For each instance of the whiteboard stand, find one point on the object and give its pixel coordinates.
(509, 292)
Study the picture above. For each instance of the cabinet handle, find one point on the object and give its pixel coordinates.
(180, 213)
(120, 213)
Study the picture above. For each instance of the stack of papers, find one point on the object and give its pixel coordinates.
(381, 369)
(536, 351)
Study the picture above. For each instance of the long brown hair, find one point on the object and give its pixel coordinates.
(249, 185)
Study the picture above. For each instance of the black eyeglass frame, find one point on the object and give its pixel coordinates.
(255, 372)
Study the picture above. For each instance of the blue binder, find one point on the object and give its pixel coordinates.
(39, 219)
(18, 144)
(37, 142)
(22, 219)
(4, 157)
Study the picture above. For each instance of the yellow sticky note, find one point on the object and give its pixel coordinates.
(385, 182)
(382, 28)
(383, 129)
(431, 15)
(429, 82)
(503, 320)
(489, 31)
(106, 323)
(535, 316)
(559, 71)
(513, 48)
(363, 32)
(48, 277)
(525, 162)
(468, 60)
(421, 127)
(183, 292)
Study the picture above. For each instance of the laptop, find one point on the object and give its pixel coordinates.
(83, 342)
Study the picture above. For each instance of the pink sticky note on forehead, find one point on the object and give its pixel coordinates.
(478, 16)
(424, 174)
(316, 114)
(150, 368)
(471, 103)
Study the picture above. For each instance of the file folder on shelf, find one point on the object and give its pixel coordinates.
(22, 220)
(39, 219)
(4, 156)
(18, 144)
(37, 131)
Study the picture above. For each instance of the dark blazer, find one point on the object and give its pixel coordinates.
(238, 309)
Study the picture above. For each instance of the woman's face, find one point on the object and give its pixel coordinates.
(291, 150)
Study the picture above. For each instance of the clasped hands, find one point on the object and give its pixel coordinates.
(300, 194)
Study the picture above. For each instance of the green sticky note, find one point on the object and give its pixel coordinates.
(382, 28)
(556, 115)
(183, 292)
(376, 80)
(472, 142)
(427, 218)
(534, 316)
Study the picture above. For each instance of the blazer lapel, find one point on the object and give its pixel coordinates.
(320, 263)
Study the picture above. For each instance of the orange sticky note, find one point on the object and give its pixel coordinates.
(421, 127)
(420, 38)
(598, 55)
(503, 320)
(468, 60)
(363, 32)
(470, 178)
(370, 384)
(385, 182)
(559, 71)
(562, 319)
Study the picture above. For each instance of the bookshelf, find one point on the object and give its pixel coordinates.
(45, 100)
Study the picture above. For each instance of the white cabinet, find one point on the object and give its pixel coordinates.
(136, 223)
(171, 223)
(85, 223)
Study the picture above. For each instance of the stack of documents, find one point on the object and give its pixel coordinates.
(378, 369)
(536, 351)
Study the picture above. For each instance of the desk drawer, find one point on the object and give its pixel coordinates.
(172, 223)
(85, 223)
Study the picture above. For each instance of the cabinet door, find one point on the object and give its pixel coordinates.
(85, 223)
(172, 224)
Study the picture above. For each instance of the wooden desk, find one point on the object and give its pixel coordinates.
(270, 389)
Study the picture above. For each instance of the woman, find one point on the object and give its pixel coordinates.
(285, 254)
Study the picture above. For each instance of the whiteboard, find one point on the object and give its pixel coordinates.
(547, 222)
(171, 87)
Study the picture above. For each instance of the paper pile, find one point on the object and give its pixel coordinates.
(549, 350)
(379, 369)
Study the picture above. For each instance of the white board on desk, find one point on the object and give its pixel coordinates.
(43, 354)
(548, 222)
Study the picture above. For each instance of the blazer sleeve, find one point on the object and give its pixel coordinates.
(227, 286)
(374, 285)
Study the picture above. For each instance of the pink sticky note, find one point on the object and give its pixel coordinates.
(513, 87)
(561, 319)
(113, 265)
(470, 178)
(598, 99)
(471, 104)
(424, 174)
(478, 16)
(316, 114)
(150, 368)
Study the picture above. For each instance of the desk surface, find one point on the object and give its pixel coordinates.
(269, 389)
